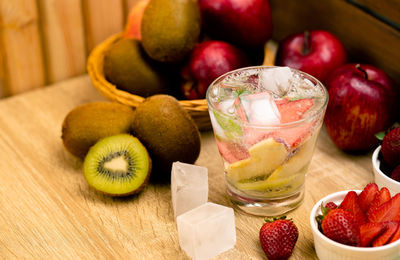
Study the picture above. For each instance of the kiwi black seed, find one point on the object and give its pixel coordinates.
(117, 165)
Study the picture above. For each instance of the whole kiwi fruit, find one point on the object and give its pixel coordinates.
(170, 29)
(86, 124)
(168, 132)
(128, 67)
(117, 165)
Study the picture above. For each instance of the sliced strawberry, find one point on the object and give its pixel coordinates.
(390, 228)
(370, 231)
(381, 197)
(351, 204)
(240, 111)
(293, 110)
(388, 211)
(293, 136)
(290, 111)
(396, 235)
(281, 101)
(367, 196)
(232, 152)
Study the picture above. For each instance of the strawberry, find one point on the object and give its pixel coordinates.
(388, 211)
(367, 196)
(390, 228)
(370, 231)
(391, 147)
(278, 238)
(339, 225)
(331, 205)
(396, 235)
(232, 152)
(395, 175)
(351, 204)
(293, 110)
(381, 197)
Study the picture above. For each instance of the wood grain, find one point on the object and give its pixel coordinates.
(48, 211)
(389, 9)
(102, 19)
(64, 39)
(365, 38)
(21, 44)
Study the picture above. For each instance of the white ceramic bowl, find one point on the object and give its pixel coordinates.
(381, 179)
(328, 249)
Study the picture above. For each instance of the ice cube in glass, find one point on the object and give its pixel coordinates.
(260, 108)
(189, 187)
(207, 231)
(276, 80)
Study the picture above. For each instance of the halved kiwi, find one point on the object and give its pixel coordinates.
(117, 165)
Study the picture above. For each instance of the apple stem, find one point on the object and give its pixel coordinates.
(358, 66)
(306, 43)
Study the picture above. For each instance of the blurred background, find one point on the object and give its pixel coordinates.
(46, 41)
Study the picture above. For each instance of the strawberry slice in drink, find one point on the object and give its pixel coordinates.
(290, 111)
(232, 152)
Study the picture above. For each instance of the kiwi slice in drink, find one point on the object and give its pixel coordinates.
(117, 165)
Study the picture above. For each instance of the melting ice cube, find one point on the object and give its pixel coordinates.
(206, 231)
(189, 187)
(260, 108)
(276, 80)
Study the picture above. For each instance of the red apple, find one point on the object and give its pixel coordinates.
(209, 60)
(362, 102)
(134, 20)
(316, 53)
(243, 22)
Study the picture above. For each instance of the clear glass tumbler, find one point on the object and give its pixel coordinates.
(266, 122)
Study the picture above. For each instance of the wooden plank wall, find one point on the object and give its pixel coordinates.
(45, 41)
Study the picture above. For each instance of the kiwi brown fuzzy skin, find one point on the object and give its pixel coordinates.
(86, 124)
(168, 132)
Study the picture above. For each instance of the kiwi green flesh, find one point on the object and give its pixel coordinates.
(117, 165)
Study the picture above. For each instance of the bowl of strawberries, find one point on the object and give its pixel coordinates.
(386, 162)
(360, 224)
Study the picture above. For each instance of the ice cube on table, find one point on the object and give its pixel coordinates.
(260, 108)
(189, 187)
(276, 80)
(206, 231)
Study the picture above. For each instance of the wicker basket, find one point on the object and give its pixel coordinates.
(198, 108)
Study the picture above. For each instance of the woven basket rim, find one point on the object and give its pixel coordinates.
(95, 70)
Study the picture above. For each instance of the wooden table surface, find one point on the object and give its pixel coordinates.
(47, 210)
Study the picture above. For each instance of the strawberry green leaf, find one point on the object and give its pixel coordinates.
(380, 135)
